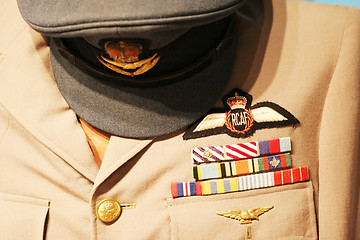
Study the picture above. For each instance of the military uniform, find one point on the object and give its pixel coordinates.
(302, 56)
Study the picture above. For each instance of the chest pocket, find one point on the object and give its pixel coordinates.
(292, 215)
(22, 217)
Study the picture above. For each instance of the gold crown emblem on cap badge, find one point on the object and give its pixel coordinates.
(124, 58)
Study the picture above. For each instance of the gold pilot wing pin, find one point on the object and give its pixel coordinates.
(245, 216)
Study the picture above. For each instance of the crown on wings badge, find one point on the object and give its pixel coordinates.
(245, 216)
(241, 119)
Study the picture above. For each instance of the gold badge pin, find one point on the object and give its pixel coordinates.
(124, 58)
(248, 234)
(245, 216)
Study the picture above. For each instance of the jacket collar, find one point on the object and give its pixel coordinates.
(29, 93)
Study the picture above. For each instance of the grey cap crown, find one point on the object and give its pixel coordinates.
(75, 18)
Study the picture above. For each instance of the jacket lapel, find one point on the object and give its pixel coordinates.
(119, 151)
(25, 71)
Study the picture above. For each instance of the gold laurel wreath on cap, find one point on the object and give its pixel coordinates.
(143, 65)
(121, 64)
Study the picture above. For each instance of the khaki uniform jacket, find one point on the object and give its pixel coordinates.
(303, 56)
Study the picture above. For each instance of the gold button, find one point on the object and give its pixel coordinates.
(108, 210)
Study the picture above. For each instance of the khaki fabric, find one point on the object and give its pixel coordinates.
(302, 56)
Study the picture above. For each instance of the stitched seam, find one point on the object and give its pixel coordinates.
(310, 196)
(342, 45)
(345, 23)
(6, 49)
(7, 129)
(331, 79)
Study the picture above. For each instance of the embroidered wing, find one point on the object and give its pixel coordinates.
(267, 114)
(270, 115)
(211, 121)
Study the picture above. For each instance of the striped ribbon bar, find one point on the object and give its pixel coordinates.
(260, 180)
(240, 151)
(242, 167)
(274, 146)
(208, 154)
(236, 184)
(272, 162)
(183, 189)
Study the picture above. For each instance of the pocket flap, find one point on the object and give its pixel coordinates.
(22, 217)
(292, 215)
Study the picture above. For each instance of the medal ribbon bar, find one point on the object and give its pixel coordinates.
(240, 151)
(242, 183)
(241, 167)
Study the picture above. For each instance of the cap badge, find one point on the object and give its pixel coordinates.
(124, 58)
(241, 119)
(245, 216)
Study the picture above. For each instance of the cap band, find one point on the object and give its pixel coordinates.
(128, 80)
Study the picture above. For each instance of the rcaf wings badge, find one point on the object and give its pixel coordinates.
(241, 119)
